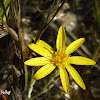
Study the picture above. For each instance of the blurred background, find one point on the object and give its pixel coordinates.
(23, 20)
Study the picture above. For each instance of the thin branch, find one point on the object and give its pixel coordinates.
(47, 24)
(13, 13)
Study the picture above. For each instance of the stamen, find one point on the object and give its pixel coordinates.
(60, 59)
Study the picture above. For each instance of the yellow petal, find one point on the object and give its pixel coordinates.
(64, 79)
(44, 71)
(61, 38)
(76, 76)
(74, 45)
(78, 60)
(38, 61)
(42, 51)
(45, 45)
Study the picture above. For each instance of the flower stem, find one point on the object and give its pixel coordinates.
(54, 74)
(32, 82)
(43, 91)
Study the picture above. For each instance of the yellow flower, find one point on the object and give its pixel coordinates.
(60, 59)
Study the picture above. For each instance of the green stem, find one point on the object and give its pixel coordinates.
(43, 91)
(96, 55)
(32, 82)
(4, 10)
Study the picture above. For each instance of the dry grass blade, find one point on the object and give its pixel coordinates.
(11, 31)
(3, 30)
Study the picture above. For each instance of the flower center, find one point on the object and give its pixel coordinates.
(60, 59)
